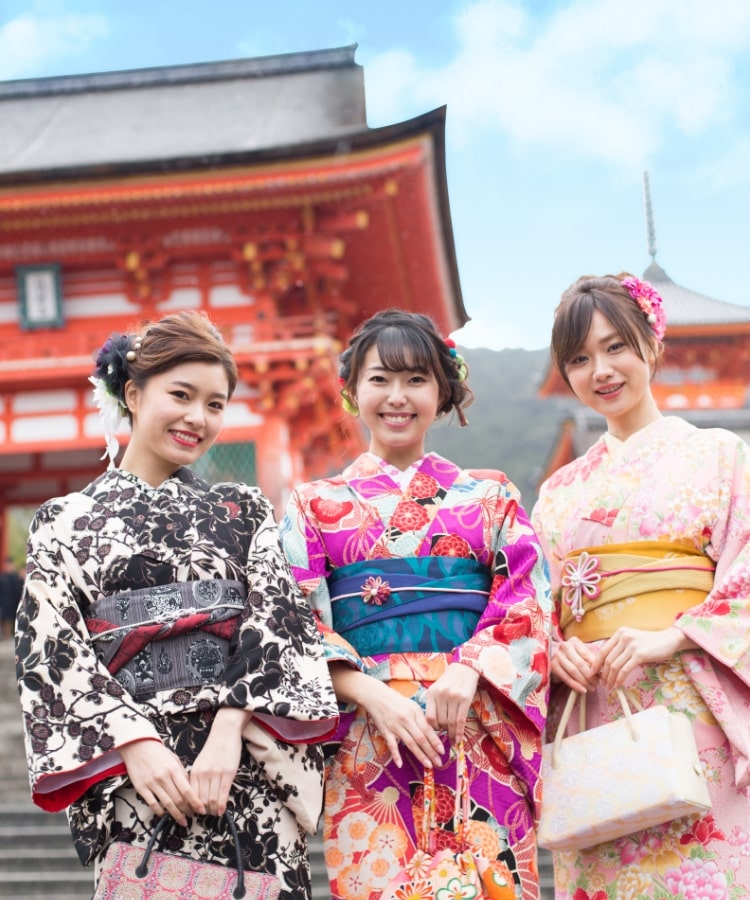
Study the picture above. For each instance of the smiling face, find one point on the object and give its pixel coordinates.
(176, 418)
(397, 408)
(608, 375)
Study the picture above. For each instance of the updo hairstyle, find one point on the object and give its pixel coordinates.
(183, 337)
(408, 341)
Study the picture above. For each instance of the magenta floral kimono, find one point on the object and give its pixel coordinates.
(407, 573)
(687, 488)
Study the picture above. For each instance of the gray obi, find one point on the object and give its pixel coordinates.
(168, 636)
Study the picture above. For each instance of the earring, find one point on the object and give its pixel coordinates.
(349, 405)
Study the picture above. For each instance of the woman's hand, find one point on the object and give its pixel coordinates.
(574, 662)
(215, 768)
(398, 718)
(631, 647)
(160, 778)
(449, 700)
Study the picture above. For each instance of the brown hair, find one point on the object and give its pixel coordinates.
(576, 309)
(410, 341)
(182, 337)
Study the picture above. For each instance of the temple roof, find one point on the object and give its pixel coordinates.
(686, 307)
(179, 112)
(274, 138)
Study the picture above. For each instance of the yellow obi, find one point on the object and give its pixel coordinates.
(644, 584)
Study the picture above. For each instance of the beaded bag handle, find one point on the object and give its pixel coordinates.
(429, 805)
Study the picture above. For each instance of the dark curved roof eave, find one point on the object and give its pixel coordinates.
(432, 123)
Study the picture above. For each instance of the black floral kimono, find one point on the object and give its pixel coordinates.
(145, 610)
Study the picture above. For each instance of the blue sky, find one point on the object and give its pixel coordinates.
(555, 109)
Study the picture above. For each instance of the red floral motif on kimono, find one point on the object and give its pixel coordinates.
(330, 511)
(445, 802)
(605, 516)
(703, 831)
(423, 487)
(568, 474)
(409, 516)
(513, 629)
(451, 545)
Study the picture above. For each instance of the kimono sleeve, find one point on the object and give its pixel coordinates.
(75, 714)
(305, 550)
(510, 647)
(278, 669)
(720, 625)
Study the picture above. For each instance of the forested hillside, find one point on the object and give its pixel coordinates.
(510, 428)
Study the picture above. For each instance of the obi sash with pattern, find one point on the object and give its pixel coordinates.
(644, 584)
(167, 636)
(418, 604)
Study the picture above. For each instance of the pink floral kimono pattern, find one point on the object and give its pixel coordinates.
(371, 807)
(670, 482)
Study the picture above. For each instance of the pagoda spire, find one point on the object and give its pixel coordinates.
(650, 229)
(654, 272)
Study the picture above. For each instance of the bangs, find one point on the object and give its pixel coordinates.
(402, 349)
(572, 324)
(570, 328)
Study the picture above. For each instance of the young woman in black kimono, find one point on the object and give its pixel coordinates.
(167, 662)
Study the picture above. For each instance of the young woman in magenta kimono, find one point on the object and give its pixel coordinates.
(432, 597)
(653, 493)
(166, 660)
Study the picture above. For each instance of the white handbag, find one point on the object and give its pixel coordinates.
(613, 780)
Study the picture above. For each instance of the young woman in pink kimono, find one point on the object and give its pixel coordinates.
(432, 597)
(653, 492)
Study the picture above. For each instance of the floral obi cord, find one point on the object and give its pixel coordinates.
(645, 584)
(168, 636)
(426, 604)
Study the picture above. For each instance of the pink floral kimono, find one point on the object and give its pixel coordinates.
(689, 487)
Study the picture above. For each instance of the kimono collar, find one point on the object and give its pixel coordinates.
(369, 475)
(667, 428)
(177, 484)
(399, 476)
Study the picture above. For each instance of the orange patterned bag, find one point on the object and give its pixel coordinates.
(448, 874)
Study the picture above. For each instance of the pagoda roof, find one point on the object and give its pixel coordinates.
(686, 307)
(177, 112)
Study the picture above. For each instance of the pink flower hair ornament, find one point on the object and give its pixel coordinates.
(649, 302)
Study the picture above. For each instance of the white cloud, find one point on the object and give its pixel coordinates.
(390, 78)
(352, 30)
(730, 170)
(601, 79)
(29, 41)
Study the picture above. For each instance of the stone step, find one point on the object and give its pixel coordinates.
(36, 859)
(27, 842)
(48, 886)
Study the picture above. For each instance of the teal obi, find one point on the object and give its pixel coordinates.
(426, 604)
